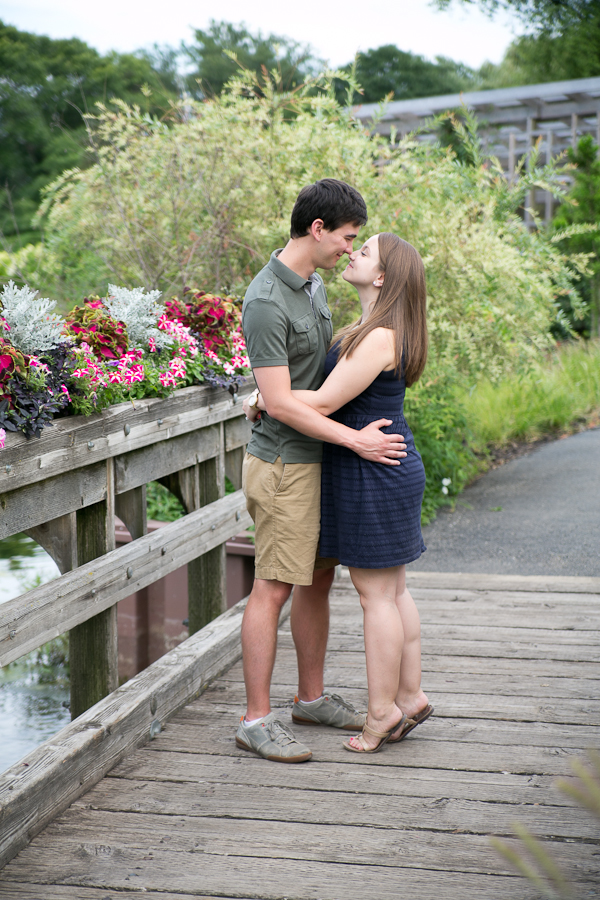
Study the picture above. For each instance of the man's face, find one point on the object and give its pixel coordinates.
(334, 244)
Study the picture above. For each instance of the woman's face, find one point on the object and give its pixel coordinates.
(364, 267)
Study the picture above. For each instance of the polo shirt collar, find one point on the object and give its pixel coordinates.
(292, 279)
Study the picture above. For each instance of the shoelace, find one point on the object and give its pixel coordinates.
(344, 703)
(278, 730)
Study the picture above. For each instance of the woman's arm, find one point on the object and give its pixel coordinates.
(351, 376)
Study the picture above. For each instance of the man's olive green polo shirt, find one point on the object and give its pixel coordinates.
(284, 326)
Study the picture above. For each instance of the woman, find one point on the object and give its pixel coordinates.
(371, 513)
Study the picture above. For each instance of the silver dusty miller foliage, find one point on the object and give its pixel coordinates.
(139, 311)
(33, 327)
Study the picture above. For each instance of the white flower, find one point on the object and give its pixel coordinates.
(31, 324)
(140, 312)
(444, 490)
(446, 481)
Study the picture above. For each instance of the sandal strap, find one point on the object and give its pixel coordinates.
(377, 734)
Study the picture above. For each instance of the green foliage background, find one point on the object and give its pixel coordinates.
(204, 198)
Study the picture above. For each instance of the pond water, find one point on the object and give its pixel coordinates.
(34, 691)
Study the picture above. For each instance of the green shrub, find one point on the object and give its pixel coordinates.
(436, 416)
(555, 395)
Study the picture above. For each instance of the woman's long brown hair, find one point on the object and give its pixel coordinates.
(401, 306)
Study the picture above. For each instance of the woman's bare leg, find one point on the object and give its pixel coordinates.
(384, 637)
(409, 698)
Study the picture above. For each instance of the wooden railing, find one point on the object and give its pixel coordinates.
(65, 489)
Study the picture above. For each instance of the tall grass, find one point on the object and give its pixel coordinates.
(556, 396)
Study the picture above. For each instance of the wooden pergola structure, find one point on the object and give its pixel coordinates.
(513, 120)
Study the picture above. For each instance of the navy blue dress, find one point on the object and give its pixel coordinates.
(371, 512)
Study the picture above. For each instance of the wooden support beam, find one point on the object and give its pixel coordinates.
(185, 486)
(207, 590)
(58, 537)
(130, 507)
(530, 197)
(512, 143)
(234, 460)
(93, 656)
(549, 198)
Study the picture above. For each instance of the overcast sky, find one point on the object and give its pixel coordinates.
(335, 30)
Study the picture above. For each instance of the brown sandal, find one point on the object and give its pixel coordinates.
(411, 723)
(383, 735)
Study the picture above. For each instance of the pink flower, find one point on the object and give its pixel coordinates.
(115, 378)
(63, 388)
(2, 438)
(166, 379)
(152, 345)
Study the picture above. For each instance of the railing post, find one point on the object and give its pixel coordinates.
(206, 575)
(93, 655)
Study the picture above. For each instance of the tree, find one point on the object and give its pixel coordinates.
(214, 66)
(551, 17)
(45, 85)
(582, 207)
(389, 70)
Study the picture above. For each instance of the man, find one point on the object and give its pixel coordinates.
(287, 327)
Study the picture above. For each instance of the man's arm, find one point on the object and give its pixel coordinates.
(370, 442)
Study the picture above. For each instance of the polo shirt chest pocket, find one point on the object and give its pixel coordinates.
(326, 322)
(306, 334)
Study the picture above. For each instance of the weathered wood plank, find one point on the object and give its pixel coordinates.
(41, 501)
(412, 753)
(52, 609)
(234, 460)
(265, 877)
(65, 445)
(436, 665)
(267, 806)
(506, 634)
(291, 838)
(237, 433)
(547, 616)
(568, 584)
(28, 891)
(490, 649)
(441, 679)
(164, 458)
(167, 766)
(35, 790)
(476, 707)
(440, 727)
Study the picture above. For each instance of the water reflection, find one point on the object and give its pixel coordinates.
(34, 691)
(30, 712)
(23, 565)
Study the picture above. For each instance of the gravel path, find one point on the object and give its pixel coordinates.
(548, 524)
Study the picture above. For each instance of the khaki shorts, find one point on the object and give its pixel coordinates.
(285, 502)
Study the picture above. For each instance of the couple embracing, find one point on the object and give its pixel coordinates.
(331, 474)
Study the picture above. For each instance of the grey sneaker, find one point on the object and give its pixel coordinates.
(272, 739)
(332, 710)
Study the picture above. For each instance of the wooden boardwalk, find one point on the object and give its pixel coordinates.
(513, 674)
